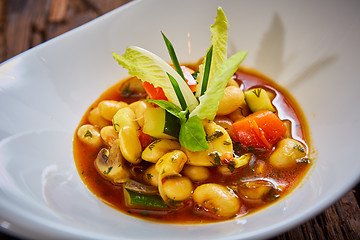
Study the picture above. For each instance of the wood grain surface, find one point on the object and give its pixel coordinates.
(27, 23)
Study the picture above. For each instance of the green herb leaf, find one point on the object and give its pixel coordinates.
(178, 92)
(108, 171)
(195, 75)
(192, 135)
(206, 71)
(171, 108)
(173, 56)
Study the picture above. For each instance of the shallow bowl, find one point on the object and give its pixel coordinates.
(310, 48)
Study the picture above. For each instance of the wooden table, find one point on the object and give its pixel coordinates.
(27, 23)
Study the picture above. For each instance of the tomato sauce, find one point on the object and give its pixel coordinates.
(257, 169)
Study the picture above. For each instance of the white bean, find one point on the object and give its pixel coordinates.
(255, 191)
(196, 173)
(90, 135)
(108, 108)
(286, 153)
(217, 199)
(240, 113)
(96, 119)
(139, 108)
(220, 147)
(158, 148)
(169, 165)
(226, 123)
(151, 176)
(232, 82)
(109, 135)
(130, 145)
(125, 117)
(178, 188)
(232, 99)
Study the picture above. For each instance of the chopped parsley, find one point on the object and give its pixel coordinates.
(241, 111)
(303, 160)
(299, 147)
(257, 92)
(238, 149)
(160, 161)
(231, 166)
(215, 135)
(153, 143)
(88, 134)
(217, 159)
(116, 127)
(108, 171)
(226, 143)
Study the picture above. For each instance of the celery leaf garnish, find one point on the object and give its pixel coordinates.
(219, 39)
(209, 102)
(151, 68)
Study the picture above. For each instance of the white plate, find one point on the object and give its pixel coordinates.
(311, 48)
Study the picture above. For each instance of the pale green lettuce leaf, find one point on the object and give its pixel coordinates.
(209, 102)
(219, 39)
(151, 68)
